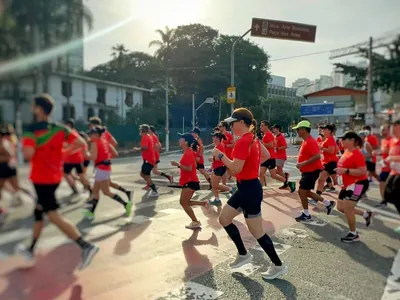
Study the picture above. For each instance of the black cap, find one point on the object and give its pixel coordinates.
(96, 129)
(277, 126)
(219, 135)
(329, 127)
(196, 130)
(349, 135)
(188, 137)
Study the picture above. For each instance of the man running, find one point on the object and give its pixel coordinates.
(42, 146)
(268, 141)
(200, 155)
(149, 158)
(310, 165)
(385, 171)
(229, 143)
(373, 141)
(280, 154)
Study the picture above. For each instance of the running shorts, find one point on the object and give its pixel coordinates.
(356, 192)
(86, 163)
(46, 197)
(270, 164)
(69, 167)
(6, 171)
(199, 166)
(220, 171)
(392, 189)
(248, 198)
(308, 180)
(371, 167)
(146, 168)
(383, 176)
(193, 185)
(330, 167)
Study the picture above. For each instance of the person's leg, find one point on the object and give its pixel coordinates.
(263, 172)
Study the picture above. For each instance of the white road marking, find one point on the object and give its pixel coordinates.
(245, 270)
(137, 219)
(53, 242)
(300, 233)
(280, 248)
(15, 235)
(392, 288)
(171, 211)
(192, 290)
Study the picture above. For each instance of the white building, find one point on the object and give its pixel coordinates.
(88, 97)
(278, 80)
(301, 85)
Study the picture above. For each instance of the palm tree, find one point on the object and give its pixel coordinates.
(119, 55)
(164, 44)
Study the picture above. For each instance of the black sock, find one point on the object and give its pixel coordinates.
(91, 205)
(74, 189)
(32, 247)
(234, 234)
(82, 243)
(164, 175)
(153, 187)
(120, 188)
(119, 200)
(266, 243)
(319, 193)
(209, 180)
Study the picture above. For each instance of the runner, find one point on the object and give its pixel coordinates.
(85, 151)
(392, 187)
(280, 154)
(73, 160)
(373, 141)
(42, 146)
(268, 141)
(157, 148)
(367, 149)
(329, 159)
(149, 158)
(200, 155)
(310, 166)
(320, 138)
(385, 171)
(247, 155)
(353, 178)
(101, 153)
(188, 178)
(5, 170)
(229, 143)
(96, 121)
(218, 170)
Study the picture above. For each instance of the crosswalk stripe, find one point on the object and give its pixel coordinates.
(392, 288)
(192, 290)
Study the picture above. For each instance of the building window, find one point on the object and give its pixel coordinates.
(101, 95)
(102, 115)
(71, 112)
(90, 113)
(66, 88)
(129, 99)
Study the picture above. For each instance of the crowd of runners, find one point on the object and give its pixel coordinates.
(58, 152)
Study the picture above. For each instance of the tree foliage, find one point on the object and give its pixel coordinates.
(385, 69)
(283, 112)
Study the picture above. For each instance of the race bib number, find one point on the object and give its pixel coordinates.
(339, 179)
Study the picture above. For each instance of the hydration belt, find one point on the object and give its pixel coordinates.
(104, 162)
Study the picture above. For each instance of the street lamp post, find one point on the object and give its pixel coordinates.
(209, 100)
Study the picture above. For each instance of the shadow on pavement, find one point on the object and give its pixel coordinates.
(289, 291)
(254, 289)
(131, 232)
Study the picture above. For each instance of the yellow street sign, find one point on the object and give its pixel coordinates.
(231, 94)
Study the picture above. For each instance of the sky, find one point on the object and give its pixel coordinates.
(339, 24)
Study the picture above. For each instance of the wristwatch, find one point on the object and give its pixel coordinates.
(220, 156)
(348, 171)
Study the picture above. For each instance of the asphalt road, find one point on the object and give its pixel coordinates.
(152, 256)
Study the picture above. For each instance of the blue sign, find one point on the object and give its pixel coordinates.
(310, 110)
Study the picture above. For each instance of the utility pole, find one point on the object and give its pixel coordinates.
(166, 115)
(370, 96)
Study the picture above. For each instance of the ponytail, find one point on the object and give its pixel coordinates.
(253, 127)
(194, 145)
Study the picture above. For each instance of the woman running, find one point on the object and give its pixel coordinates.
(101, 153)
(367, 150)
(247, 155)
(229, 143)
(200, 155)
(353, 177)
(85, 151)
(188, 178)
(219, 170)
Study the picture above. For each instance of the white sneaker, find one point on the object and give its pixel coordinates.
(274, 272)
(21, 249)
(153, 194)
(193, 225)
(241, 260)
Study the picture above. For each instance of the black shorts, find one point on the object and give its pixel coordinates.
(360, 189)
(6, 171)
(330, 167)
(269, 164)
(46, 197)
(69, 167)
(383, 176)
(248, 198)
(199, 166)
(193, 185)
(371, 166)
(392, 189)
(147, 168)
(86, 163)
(308, 180)
(220, 171)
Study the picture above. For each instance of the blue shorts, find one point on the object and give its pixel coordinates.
(383, 176)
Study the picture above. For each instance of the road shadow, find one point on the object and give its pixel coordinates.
(131, 232)
(254, 289)
(288, 290)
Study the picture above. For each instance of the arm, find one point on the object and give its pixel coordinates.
(330, 149)
(358, 172)
(235, 165)
(369, 149)
(4, 153)
(93, 151)
(312, 159)
(114, 152)
(264, 153)
(113, 141)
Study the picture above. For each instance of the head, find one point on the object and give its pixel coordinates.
(144, 129)
(223, 126)
(196, 132)
(363, 134)
(84, 135)
(70, 123)
(321, 130)
(95, 132)
(187, 140)
(385, 130)
(328, 130)
(396, 128)
(303, 129)
(42, 107)
(367, 128)
(217, 137)
(264, 126)
(277, 129)
(152, 129)
(242, 121)
(351, 140)
(95, 121)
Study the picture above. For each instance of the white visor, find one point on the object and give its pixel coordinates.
(230, 120)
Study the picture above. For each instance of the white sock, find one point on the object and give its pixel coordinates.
(326, 202)
(306, 212)
(353, 232)
(365, 214)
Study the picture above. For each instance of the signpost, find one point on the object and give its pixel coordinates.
(231, 94)
(283, 30)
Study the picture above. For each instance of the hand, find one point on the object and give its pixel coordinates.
(340, 171)
(375, 153)
(215, 152)
(174, 163)
(136, 149)
(389, 159)
(300, 165)
(210, 159)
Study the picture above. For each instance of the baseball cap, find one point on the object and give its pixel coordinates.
(236, 116)
(302, 124)
(196, 130)
(187, 136)
(363, 133)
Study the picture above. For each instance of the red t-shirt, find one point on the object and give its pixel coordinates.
(319, 139)
(217, 163)
(308, 149)
(280, 142)
(395, 151)
(352, 160)
(75, 157)
(385, 146)
(107, 136)
(373, 140)
(229, 140)
(268, 138)
(156, 141)
(47, 139)
(103, 154)
(328, 157)
(149, 154)
(199, 152)
(188, 159)
(248, 149)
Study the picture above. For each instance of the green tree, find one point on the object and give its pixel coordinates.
(164, 44)
(283, 112)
